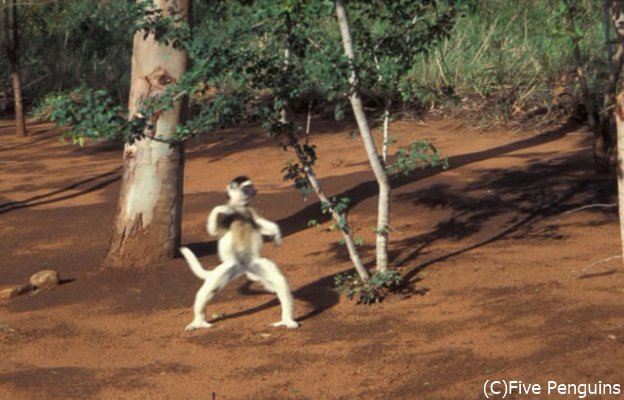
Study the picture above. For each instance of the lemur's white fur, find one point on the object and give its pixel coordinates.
(240, 229)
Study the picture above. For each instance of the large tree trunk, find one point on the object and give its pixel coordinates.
(11, 39)
(369, 143)
(617, 14)
(602, 141)
(148, 223)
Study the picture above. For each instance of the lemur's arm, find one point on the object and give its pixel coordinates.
(267, 228)
(212, 225)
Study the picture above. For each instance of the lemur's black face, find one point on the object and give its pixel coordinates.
(249, 190)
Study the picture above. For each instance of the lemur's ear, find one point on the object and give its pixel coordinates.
(239, 180)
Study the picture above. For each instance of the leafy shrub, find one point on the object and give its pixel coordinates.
(90, 114)
(418, 155)
(374, 290)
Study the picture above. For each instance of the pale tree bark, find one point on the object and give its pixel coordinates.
(10, 42)
(602, 142)
(386, 133)
(617, 14)
(383, 205)
(147, 227)
(619, 121)
(386, 117)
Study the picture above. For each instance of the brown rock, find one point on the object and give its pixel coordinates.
(14, 291)
(45, 279)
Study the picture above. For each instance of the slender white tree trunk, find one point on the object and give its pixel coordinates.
(148, 223)
(386, 135)
(369, 143)
(386, 117)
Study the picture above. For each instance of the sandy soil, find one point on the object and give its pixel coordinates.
(500, 258)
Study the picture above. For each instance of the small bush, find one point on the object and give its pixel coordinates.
(418, 155)
(372, 291)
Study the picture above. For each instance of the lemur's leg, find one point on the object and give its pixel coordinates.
(271, 277)
(215, 281)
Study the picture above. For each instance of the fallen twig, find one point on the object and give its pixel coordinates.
(599, 205)
(601, 261)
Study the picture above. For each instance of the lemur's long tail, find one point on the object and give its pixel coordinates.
(194, 263)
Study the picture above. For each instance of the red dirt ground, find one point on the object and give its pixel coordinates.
(500, 257)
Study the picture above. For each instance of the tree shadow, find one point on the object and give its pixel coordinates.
(202, 249)
(220, 144)
(368, 188)
(320, 295)
(81, 383)
(35, 138)
(518, 198)
(91, 184)
(98, 148)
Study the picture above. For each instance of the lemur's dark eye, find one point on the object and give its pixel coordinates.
(249, 190)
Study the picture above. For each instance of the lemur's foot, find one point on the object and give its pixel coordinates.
(290, 324)
(197, 325)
